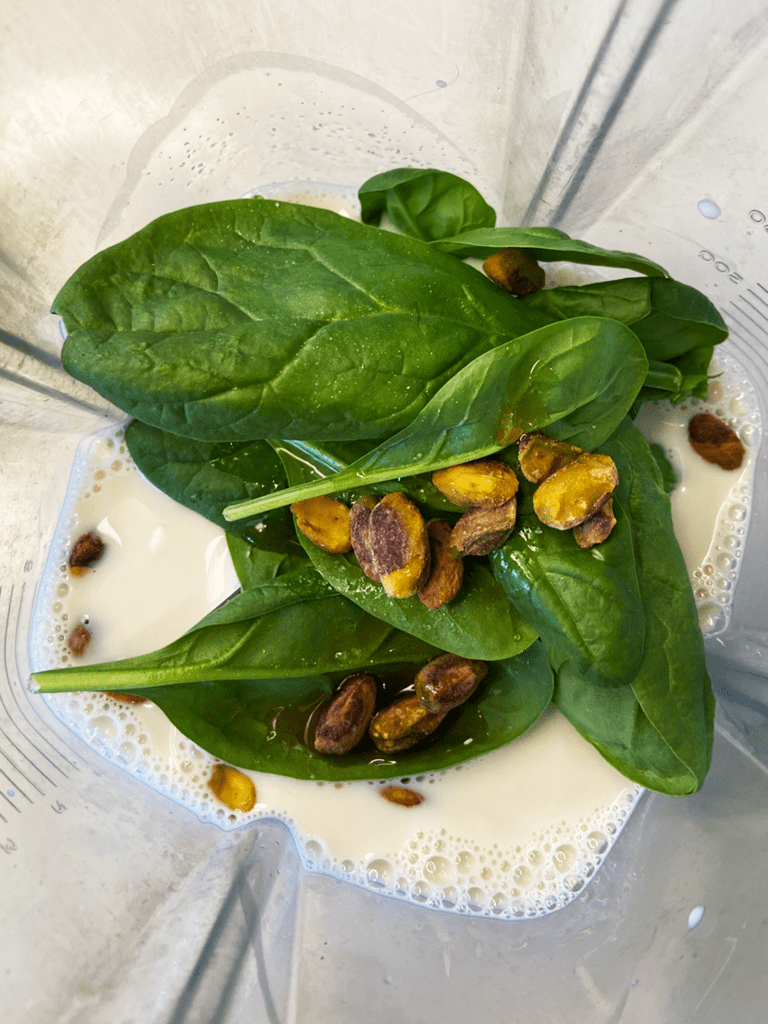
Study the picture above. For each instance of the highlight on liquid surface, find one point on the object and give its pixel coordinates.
(515, 834)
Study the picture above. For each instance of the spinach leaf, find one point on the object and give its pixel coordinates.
(253, 723)
(669, 479)
(580, 375)
(683, 377)
(677, 325)
(659, 730)
(663, 377)
(545, 244)
(616, 725)
(255, 565)
(478, 623)
(426, 204)
(668, 317)
(252, 319)
(291, 626)
(584, 603)
(679, 320)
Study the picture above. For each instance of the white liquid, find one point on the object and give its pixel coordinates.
(515, 834)
(710, 506)
(480, 842)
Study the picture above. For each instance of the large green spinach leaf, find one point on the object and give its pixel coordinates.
(252, 723)
(578, 377)
(252, 319)
(659, 730)
(426, 204)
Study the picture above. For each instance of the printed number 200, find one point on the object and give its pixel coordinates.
(719, 266)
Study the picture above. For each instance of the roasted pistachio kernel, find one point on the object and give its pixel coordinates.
(343, 721)
(482, 530)
(715, 441)
(359, 532)
(541, 456)
(597, 528)
(125, 698)
(398, 543)
(402, 725)
(78, 640)
(516, 271)
(576, 491)
(486, 483)
(402, 795)
(446, 572)
(447, 681)
(325, 521)
(232, 787)
(86, 551)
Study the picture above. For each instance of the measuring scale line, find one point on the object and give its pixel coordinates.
(8, 799)
(16, 789)
(26, 725)
(16, 767)
(757, 311)
(730, 321)
(743, 327)
(760, 299)
(744, 313)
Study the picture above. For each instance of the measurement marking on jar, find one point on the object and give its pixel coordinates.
(758, 297)
(8, 846)
(14, 789)
(748, 323)
(757, 311)
(16, 767)
(21, 716)
(720, 265)
(743, 334)
(754, 322)
(10, 803)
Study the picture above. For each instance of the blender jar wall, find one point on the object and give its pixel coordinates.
(621, 121)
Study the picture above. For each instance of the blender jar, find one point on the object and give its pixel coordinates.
(633, 124)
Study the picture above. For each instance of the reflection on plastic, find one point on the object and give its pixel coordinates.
(242, 970)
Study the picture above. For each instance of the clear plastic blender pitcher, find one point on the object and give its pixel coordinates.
(634, 124)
